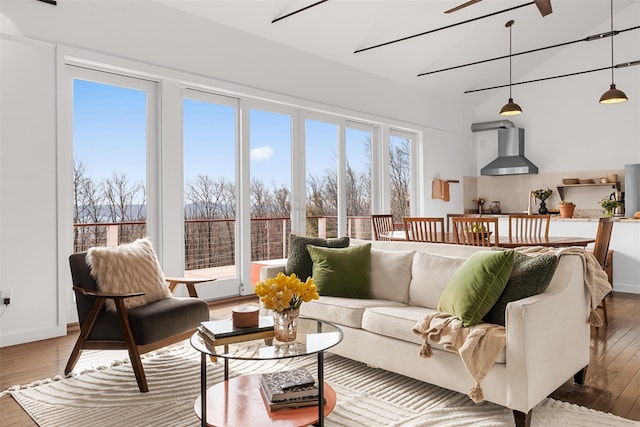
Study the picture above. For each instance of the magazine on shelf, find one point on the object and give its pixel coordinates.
(224, 328)
(286, 385)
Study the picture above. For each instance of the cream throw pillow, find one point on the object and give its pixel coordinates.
(131, 267)
(430, 274)
(391, 274)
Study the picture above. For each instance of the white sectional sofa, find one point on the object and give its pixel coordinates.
(547, 335)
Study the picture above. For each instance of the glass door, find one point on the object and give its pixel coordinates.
(210, 146)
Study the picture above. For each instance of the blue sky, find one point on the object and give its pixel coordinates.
(110, 135)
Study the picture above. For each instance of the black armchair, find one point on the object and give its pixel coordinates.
(139, 330)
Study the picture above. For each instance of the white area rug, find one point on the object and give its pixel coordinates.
(108, 396)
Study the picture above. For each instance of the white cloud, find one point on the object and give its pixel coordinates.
(261, 153)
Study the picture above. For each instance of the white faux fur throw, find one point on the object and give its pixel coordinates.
(131, 267)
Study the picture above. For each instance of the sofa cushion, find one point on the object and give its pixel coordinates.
(476, 286)
(342, 311)
(342, 272)
(299, 261)
(530, 276)
(430, 274)
(130, 267)
(398, 322)
(391, 274)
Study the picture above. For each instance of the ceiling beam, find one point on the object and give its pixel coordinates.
(441, 28)
(621, 65)
(482, 61)
(296, 11)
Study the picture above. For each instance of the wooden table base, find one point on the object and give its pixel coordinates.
(239, 402)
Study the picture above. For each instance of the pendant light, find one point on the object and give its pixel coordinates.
(613, 95)
(510, 108)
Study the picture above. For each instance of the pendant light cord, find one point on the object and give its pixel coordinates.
(510, 97)
(612, 42)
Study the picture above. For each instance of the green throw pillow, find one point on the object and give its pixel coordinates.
(342, 272)
(476, 286)
(299, 261)
(530, 276)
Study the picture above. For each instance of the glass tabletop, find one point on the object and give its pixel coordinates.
(313, 336)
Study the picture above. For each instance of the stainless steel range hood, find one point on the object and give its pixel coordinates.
(511, 159)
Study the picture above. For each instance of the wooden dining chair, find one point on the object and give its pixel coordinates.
(424, 229)
(528, 226)
(448, 225)
(600, 251)
(382, 227)
(481, 231)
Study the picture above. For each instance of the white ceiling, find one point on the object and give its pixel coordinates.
(336, 28)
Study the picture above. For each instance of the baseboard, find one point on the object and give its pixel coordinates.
(627, 289)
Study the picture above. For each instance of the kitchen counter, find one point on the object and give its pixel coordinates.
(557, 217)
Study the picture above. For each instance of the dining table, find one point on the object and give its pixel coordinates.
(515, 241)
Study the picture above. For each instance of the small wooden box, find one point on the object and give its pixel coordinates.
(245, 316)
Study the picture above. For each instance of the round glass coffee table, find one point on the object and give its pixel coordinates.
(239, 401)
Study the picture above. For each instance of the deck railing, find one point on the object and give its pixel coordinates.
(211, 242)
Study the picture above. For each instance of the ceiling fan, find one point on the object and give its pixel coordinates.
(544, 6)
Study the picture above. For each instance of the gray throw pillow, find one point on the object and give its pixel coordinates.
(299, 261)
(530, 276)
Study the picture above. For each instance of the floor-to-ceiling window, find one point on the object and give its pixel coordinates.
(270, 135)
(321, 148)
(210, 145)
(112, 119)
(359, 140)
(400, 172)
(252, 172)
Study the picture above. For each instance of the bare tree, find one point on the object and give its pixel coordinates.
(121, 196)
(87, 209)
(400, 179)
(210, 243)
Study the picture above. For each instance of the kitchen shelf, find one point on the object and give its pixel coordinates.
(562, 187)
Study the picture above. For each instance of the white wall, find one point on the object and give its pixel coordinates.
(568, 133)
(566, 128)
(162, 42)
(28, 219)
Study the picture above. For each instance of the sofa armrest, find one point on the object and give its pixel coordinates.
(548, 336)
(272, 270)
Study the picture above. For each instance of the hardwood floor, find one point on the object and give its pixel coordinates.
(612, 382)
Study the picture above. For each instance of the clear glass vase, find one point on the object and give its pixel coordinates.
(285, 324)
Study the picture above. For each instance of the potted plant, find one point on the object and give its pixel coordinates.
(566, 209)
(609, 206)
(542, 195)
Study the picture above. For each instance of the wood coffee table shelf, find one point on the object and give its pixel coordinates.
(239, 402)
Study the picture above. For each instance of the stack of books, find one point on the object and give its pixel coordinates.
(225, 332)
(289, 389)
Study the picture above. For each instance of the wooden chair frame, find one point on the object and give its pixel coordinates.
(600, 252)
(424, 229)
(463, 233)
(128, 343)
(381, 224)
(532, 226)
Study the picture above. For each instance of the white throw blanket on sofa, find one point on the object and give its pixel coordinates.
(595, 278)
(478, 346)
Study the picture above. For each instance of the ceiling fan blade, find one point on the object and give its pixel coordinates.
(463, 5)
(544, 6)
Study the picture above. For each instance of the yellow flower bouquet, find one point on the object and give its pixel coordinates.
(284, 292)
